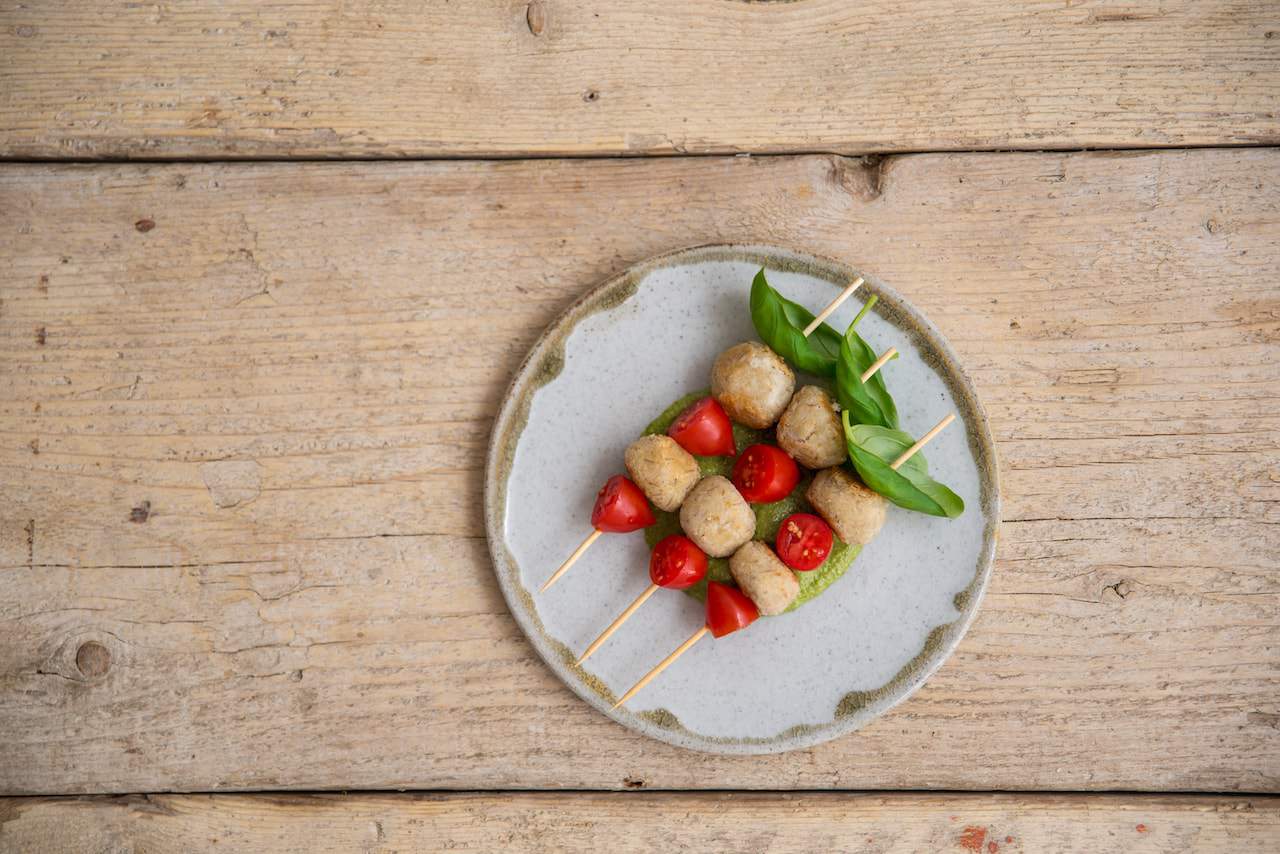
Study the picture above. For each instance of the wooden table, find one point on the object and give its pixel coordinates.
(245, 394)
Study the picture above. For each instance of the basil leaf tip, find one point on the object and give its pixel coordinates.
(780, 323)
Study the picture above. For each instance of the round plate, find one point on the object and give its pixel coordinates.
(603, 371)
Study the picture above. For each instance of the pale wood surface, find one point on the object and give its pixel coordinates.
(243, 409)
(630, 822)
(500, 77)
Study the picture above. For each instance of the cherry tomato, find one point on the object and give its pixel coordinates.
(704, 429)
(804, 541)
(677, 563)
(765, 473)
(621, 507)
(728, 609)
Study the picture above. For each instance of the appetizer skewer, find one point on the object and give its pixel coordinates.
(756, 554)
(676, 563)
(657, 557)
(620, 508)
(727, 611)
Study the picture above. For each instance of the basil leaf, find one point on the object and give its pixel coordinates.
(872, 449)
(869, 402)
(888, 445)
(780, 323)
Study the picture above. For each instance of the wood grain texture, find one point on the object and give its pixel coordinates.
(557, 77)
(625, 823)
(243, 411)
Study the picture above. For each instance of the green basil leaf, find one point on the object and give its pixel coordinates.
(887, 444)
(780, 323)
(869, 402)
(872, 449)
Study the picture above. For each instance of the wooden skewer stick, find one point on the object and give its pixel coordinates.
(640, 600)
(663, 665)
(879, 363)
(832, 306)
(921, 442)
(572, 559)
(617, 624)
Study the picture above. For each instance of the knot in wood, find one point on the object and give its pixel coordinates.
(93, 659)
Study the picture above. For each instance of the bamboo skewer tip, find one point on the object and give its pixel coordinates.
(833, 305)
(922, 441)
(617, 623)
(879, 363)
(662, 665)
(571, 559)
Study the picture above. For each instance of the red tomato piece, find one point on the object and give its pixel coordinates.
(765, 473)
(704, 430)
(621, 507)
(804, 541)
(728, 609)
(677, 563)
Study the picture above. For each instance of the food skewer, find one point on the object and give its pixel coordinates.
(684, 647)
(653, 587)
(663, 471)
(832, 306)
(676, 563)
(621, 507)
(728, 609)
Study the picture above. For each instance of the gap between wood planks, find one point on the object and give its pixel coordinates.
(672, 155)
(631, 784)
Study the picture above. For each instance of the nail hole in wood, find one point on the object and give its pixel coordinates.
(536, 17)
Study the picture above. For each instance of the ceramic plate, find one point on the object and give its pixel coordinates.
(595, 379)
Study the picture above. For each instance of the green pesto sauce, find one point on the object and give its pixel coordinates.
(768, 516)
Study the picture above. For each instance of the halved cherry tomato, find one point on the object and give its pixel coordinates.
(804, 541)
(765, 473)
(728, 609)
(677, 563)
(704, 429)
(621, 507)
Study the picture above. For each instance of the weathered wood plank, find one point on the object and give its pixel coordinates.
(243, 410)
(510, 77)
(886, 823)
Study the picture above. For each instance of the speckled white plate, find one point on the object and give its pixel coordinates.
(609, 366)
